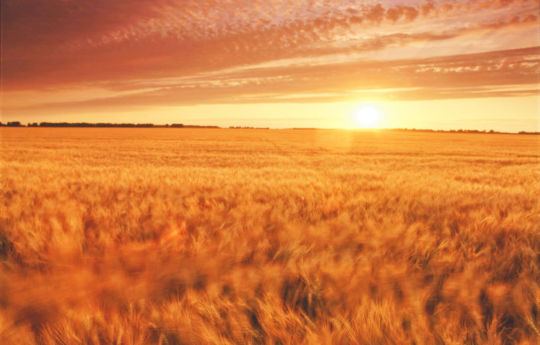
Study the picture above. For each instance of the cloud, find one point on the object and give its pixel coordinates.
(131, 44)
(395, 13)
(507, 73)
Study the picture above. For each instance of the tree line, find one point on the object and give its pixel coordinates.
(180, 125)
(100, 124)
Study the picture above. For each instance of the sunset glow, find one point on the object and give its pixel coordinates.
(172, 61)
(257, 172)
(368, 117)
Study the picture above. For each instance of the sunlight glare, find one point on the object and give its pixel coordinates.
(368, 117)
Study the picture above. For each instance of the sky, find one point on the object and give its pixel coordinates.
(441, 64)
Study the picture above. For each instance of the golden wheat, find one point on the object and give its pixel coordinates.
(194, 236)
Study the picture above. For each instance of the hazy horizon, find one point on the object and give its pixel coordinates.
(211, 125)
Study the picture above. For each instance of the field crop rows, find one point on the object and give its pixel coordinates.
(210, 236)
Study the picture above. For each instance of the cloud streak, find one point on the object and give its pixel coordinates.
(184, 51)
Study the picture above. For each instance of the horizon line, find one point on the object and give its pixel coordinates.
(18, 124)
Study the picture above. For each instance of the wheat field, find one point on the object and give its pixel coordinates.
(222, 236)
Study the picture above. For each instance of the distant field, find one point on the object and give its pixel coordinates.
(210, 236)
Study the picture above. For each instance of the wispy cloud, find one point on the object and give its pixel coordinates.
(184, 52)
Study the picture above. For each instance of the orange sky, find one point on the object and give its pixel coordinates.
(304, 63)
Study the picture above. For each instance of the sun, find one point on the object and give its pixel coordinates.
(368, 117)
